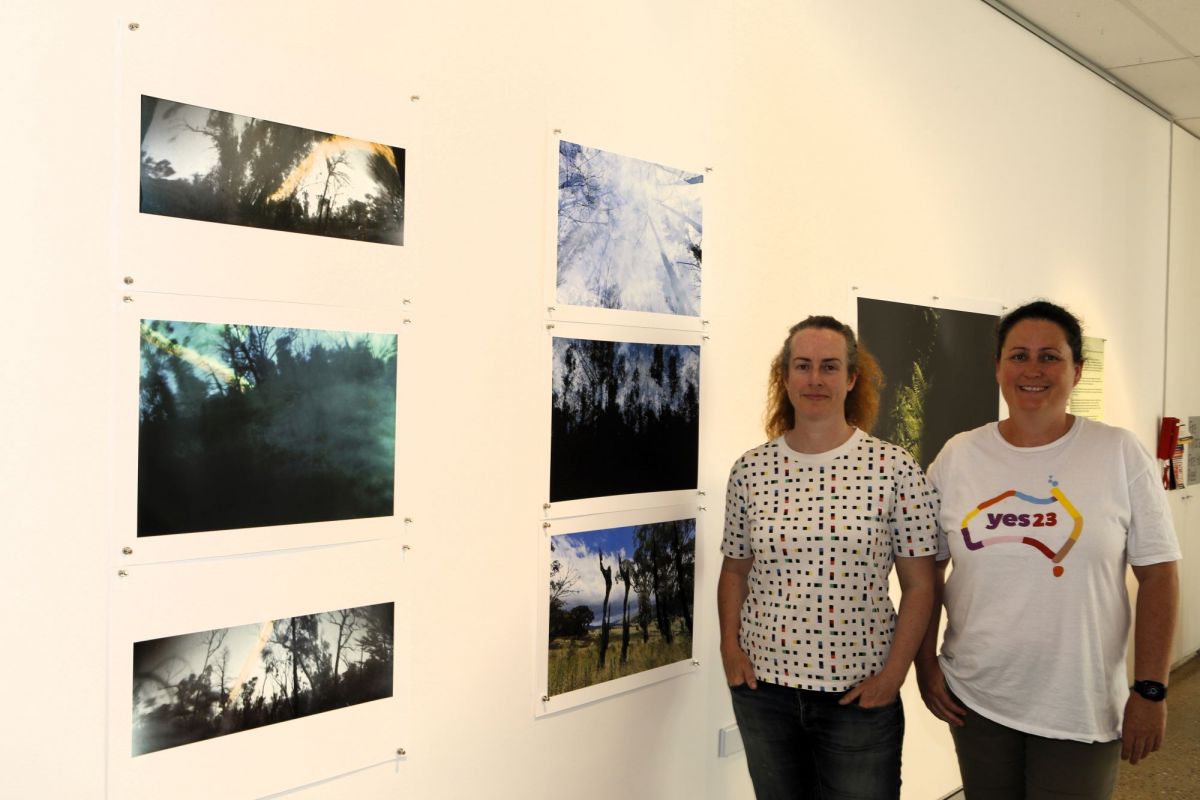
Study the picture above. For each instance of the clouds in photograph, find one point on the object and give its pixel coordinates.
(204, 164)
(629, 233)
(251, 425)
(198, 686)
(939, 366)
(625, 418)
(621, 602)
(579, 555)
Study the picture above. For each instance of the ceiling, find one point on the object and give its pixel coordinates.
(1149, 48)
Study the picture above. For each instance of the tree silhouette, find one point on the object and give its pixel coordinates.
(606, 572)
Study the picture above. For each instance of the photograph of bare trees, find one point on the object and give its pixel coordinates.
(620, 602)
(629, 233)
(250, 425)
(625, 418)
(209, 165)
(198, 686)
(939, 366)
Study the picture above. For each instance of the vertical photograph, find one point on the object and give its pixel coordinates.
(621, 602)
(243, 426)
(202, 164)
(625, 418)
(201, 685)
(939, 368)
(629, 233)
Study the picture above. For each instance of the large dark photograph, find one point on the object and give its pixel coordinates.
(198, 686)
(625, 418)
(620, 602)
(209, 165)
(939, 367)
(250, 425)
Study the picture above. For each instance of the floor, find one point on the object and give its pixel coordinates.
(1173, 773)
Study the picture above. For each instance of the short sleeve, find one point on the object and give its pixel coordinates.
(1151, 538)
(736, 541)
(914, 513)
(935, 477)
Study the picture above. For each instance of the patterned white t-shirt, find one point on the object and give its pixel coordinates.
(823, 530)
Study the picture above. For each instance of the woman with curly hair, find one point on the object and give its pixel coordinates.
(813, 649)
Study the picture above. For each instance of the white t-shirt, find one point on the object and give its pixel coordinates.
(823, 530)
(1037, 607)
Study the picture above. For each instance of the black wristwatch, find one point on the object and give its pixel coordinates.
(1151, 690)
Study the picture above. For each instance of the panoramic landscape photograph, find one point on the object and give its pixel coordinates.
(201, 685)
(202, 164)
(621, 602)
(250, 425)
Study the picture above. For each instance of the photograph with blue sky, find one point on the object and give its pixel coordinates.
(197, 686)
(251, 425)
(939, 372)
(628, 233)
(209, 165)
(625, 418)
(621, 602)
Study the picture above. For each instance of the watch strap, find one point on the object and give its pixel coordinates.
(1151, 690)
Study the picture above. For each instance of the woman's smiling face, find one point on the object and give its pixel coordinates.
(818, 375)
(1036, 370)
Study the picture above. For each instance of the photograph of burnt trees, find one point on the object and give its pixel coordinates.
(250, 425)
(621, 602)
(198, 686)
(939, 370)
(625, 418)
(209, 165)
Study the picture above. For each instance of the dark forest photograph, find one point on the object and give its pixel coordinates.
(198, 686)
(251, 425)
(214, 166)
(939, 371)
(620, 602)
(625, 418)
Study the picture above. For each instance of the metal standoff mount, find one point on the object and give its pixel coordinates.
(122, 573)
(133, 26)
(127, 550)
(129, 280)
(545, 698)
(400, 751)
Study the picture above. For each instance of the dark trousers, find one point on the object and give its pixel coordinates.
(999, 763)
(802, 744)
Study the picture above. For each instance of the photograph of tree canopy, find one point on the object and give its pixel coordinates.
(939, 370)
(215, 166)
(198, 686)
(250, 425)
(628, 233)
(620, 602)
(625, 418)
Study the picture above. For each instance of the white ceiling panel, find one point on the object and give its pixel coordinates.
(1174, 85)
(1107, 32)
(1179, 19)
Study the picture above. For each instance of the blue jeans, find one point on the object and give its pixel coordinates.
(802, 744)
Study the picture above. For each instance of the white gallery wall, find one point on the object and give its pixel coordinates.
(923, 149)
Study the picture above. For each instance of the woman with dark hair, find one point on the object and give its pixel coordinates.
(1042, 512)
(813, 650)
